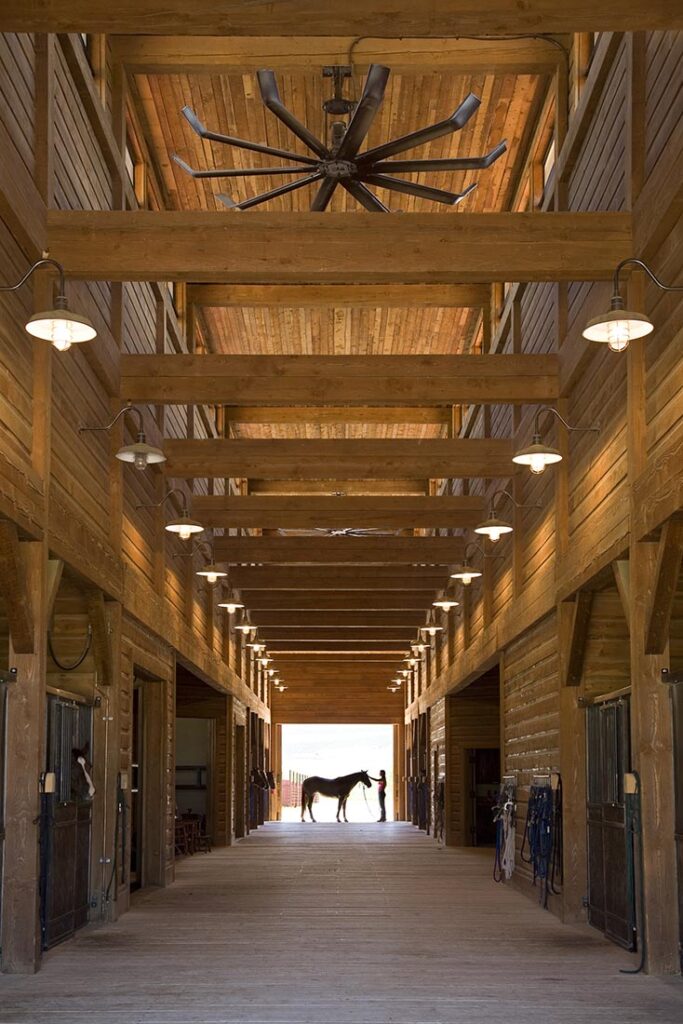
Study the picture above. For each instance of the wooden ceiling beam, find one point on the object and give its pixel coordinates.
(358, 380)
(342, 636)
(280, 459)
(339, 577)
(144, 245)
(262, 600)
(218, 55)
(334, 487)
(381, 512)
(339, 550)
(358, 621)
(340, 296)
(340, 414)
(304, 18)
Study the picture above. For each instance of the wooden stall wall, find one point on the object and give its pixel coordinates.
(437, 760)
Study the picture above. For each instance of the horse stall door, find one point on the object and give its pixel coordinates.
(610, 855)
(677, 707)
(65, 823)
(240, 781)
(3, 754)
(137, 786)
(484, 776)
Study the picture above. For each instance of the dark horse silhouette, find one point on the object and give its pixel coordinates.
(340, 788)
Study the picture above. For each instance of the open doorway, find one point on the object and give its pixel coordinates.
(331, 751)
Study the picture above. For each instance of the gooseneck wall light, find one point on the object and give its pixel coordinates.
(184, 526)
(465, 572)
(211, 572)
(539, 455)
(140, 454)
(619, 326)
(60, 325)
(493, 527)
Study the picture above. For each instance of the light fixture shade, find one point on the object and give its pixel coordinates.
(184, 526)
(246, 628)
(397, 681)
(140, 454)
(257, 648)
(537, 456)
(230, 606)
(431, 630)
(493, 527)
(617, 328)
(212, 572)
(445, 605)
(420, 647)
(61, 327)
(465, 573)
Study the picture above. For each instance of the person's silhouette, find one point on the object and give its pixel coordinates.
(381, 794)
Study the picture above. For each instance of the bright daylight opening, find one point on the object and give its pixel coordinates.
(332, 751)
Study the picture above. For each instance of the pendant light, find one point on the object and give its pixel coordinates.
(183, 525)
(494, 527)
(230, 606)
(246, 628)
(539, 455)
(212, 572)
(465, 572)
(256, 648)
(60, 325)
(619, 326)
(140, 454)
(418, 647)
(431, 628)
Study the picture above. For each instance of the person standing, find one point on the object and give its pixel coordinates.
(381, 794)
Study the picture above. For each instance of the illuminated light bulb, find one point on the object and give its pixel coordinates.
(537, 456)
(141, 455)
(61, 327)
(184, 526)
(230, 606)
(246, 629)
(493, 527)
(618, 327)
(397, 681)
(445, 605)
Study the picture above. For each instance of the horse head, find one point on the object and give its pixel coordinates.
(365, 779)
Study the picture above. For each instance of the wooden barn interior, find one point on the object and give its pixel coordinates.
(295, 435)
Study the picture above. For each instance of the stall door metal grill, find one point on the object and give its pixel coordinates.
(610, 907)
(65, 824)
(3, 742)
(677, 699)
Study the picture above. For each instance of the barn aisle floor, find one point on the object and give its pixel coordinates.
(360, 924)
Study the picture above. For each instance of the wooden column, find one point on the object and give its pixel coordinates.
(651, 726)
(25, 760)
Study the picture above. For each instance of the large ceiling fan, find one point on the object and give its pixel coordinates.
(340, 163)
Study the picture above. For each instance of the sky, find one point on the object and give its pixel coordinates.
(333, 750)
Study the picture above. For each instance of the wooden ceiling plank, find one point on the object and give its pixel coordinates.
(335, 578)
(260, 600)
(340, 620)
(286, 459)
(143, 245)
(353, 18)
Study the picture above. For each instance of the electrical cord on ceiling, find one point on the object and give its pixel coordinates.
(486, 39)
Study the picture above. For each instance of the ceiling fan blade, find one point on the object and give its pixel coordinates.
(271, 98)
(264, 197)
(230, 172)
(364, 114)
(321, 200)
(229, 140)
(452, 124)
(413, 188)
(468, 163)
(364, 196)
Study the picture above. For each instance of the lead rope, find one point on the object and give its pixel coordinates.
(504, 818)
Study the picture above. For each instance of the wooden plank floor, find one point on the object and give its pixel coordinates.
(360, 924)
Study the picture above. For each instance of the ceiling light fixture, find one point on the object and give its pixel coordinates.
(60, 325)
(539, 455)
(140, 454)
(493, 527)
(183, 525)
(619, 326)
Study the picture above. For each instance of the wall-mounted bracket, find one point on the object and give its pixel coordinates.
(672, 678)
(8, 677)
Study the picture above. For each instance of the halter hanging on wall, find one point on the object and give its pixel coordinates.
(81, 658)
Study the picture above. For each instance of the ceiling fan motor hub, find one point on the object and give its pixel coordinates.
(339, 169)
